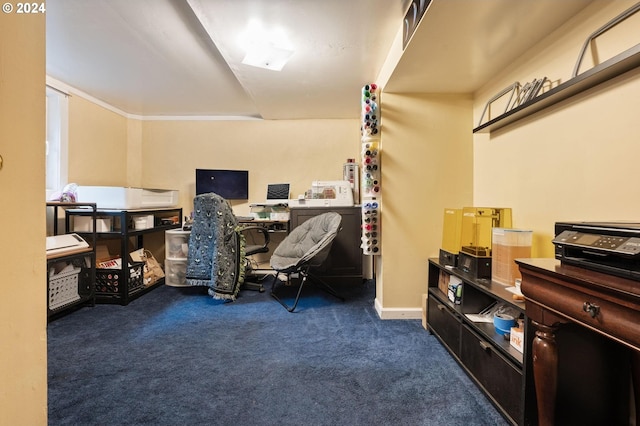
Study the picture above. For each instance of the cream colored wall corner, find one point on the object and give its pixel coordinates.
(23, 309)
(427, 166)
(574, 161)
(273, 151)
(99, 151)
(134, 153)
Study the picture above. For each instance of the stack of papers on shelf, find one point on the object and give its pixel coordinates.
(486, 315)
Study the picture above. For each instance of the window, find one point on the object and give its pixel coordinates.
(56, 141)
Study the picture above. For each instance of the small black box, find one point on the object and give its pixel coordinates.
(476, 266)
(448, 258)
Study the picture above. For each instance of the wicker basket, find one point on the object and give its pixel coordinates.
(109, 281)
(63, 288)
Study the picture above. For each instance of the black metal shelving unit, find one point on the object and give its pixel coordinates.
(126, 283)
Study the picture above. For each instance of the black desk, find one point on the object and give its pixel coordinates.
(278, 230)
(344, 263)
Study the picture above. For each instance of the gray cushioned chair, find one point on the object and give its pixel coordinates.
(305, 248)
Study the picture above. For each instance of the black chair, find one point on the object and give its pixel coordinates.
(251, 249)
(305, 248)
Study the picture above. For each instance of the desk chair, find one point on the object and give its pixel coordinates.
(249, 250)
(215, 257)
(305, 248)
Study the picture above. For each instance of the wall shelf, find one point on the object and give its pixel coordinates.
(619, 64)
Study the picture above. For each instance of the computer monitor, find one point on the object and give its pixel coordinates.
(278, 192)
(229, 184)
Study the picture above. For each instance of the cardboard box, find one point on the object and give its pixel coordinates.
(517, 338)
(443, 282)
(102, 253)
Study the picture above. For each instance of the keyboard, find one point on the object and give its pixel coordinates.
(244, 218)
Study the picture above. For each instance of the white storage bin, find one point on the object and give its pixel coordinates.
(175, 271)
(63, 287)
(142, 222)
(176, 244)
(85, 224)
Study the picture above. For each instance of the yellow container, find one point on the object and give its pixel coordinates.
(477, 223)
(451, 230)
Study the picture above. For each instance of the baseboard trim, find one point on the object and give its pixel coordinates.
(397, 313)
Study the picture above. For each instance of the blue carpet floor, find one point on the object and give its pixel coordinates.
(176, 356)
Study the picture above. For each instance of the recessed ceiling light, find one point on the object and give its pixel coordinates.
(268, 57)
(264, 48)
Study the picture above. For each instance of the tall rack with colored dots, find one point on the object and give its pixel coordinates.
(371, 172)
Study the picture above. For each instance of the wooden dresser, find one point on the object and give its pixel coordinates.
(585, 343)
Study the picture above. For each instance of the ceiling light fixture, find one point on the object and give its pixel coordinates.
(268, 57)
(269, 49)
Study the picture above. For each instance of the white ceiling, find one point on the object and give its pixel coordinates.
(474, 40)
(182, 57)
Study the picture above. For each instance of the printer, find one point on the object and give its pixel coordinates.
(609, 247)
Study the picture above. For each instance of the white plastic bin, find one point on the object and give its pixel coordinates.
(175, 271)
(176, 244)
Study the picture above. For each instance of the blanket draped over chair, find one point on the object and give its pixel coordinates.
(216, 248)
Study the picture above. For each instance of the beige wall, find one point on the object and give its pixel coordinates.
(23, 344)
(294, 151)
(576, 160)
(134, 153)
(98, 144)
(427, 165)
(107, 148)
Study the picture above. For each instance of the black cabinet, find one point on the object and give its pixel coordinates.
(501, 378)
(486, 355)
(124, 231)
(344, 264)
(445, 323)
